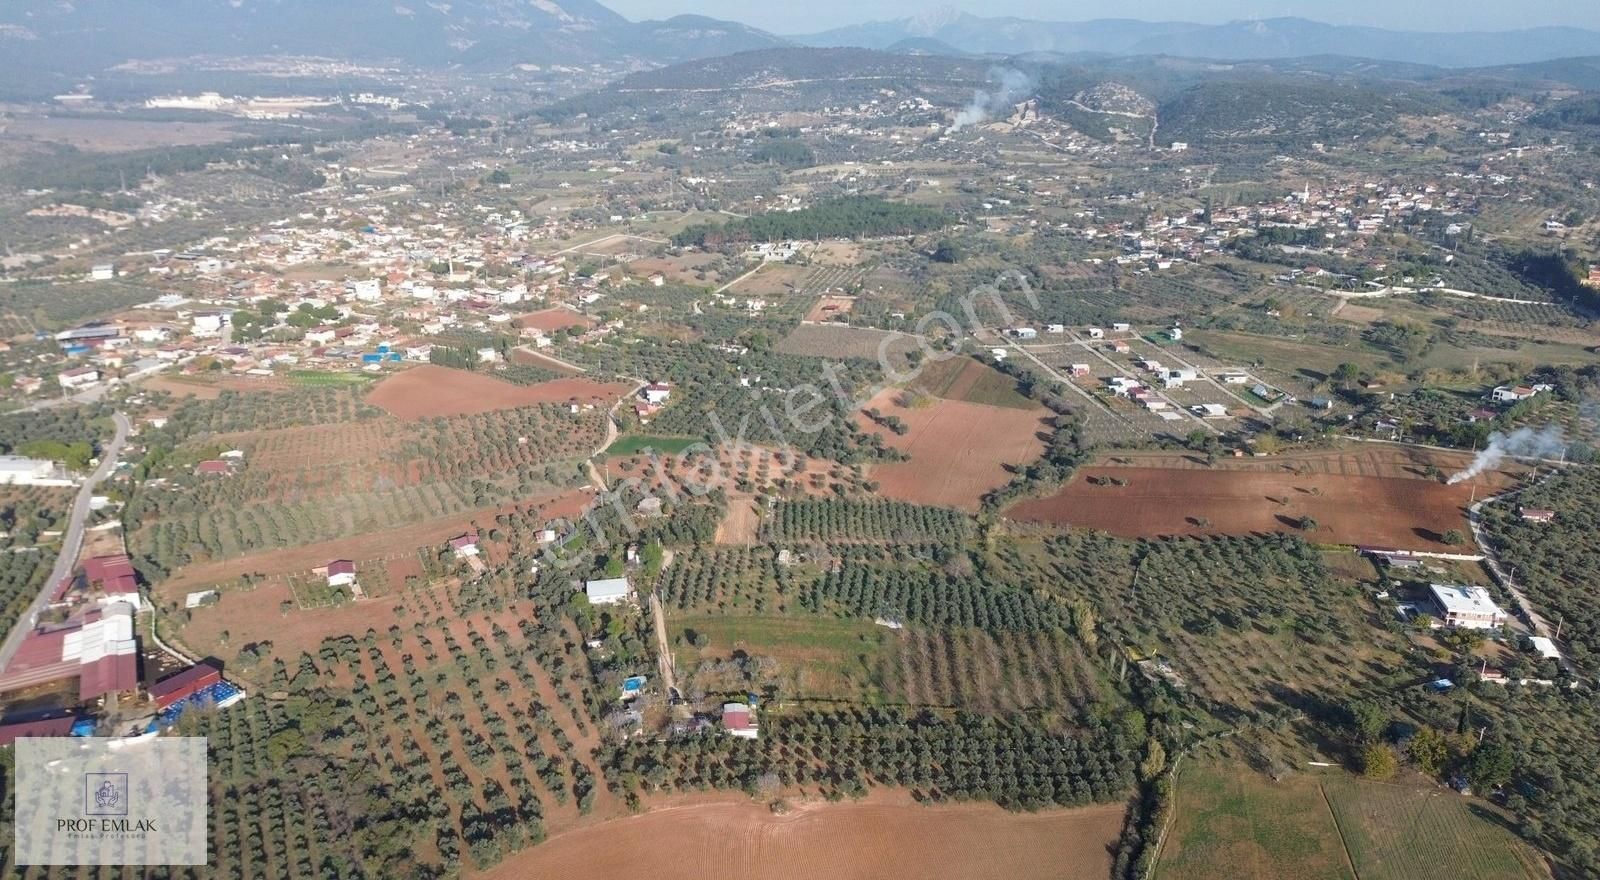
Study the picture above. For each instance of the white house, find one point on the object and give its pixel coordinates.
(208, 324)
(1466, 607)
(1096, 333)
(610, 591)
(103, 272)
(1517, 393)
(366, 290)
(656, 393)
(340, 573)
(81, 377)
(321, 336)
(18, 471)
(1177, 378)
(1023, 333)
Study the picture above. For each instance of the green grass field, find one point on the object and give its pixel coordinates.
(1233, 824)
(818, 657)
(964, 379)
(634, 444)
(318, 378)
(1400, 832)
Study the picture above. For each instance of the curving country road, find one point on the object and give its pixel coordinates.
(71, 541)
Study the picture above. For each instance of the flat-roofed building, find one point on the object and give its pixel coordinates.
(1466, 607)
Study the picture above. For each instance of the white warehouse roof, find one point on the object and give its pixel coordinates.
(608, 591)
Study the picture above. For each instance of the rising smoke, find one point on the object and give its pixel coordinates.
(1521, 443)
(1011, 86)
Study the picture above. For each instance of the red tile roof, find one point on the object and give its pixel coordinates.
(110, 674)
(100, 568)
(12, 731)
(173, 688)
(341, 566)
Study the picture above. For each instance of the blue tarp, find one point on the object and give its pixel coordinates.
(210, 696)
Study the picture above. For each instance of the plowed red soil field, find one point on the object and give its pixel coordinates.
(883, 838)
(551, 320)
(1380, 497)
(959, 450)
(428, 391)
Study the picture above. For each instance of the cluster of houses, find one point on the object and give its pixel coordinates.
(391, 312)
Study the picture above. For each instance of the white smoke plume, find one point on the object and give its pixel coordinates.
(1521, 443)
(1011, 86)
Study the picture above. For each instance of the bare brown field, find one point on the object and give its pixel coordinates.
(678, 270)
(109, 135)
(840, 341)
(428, 391)
(885, 836)
(529, 357)
(1355, 314)
(831, 308)
(551, 320)
(1380, 497)
(742, 523)
(182, 388)
(772, 282)
(959, 450)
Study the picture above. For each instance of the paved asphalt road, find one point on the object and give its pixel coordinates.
(71, 542)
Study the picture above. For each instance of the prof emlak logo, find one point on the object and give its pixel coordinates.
(105, 807)
(105, 794)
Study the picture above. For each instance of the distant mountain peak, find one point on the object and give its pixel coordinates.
(85, 36)
(1239, 40)
(929, 22)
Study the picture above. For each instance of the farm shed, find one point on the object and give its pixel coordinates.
(1546, 648)
(738, 721)
(184, 684)
(12, 731)
(609, 591)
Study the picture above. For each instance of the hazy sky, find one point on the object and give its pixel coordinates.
(805, 16)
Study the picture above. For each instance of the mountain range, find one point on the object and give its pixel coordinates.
(1233, 41)
(74, 38)
(90, 35)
